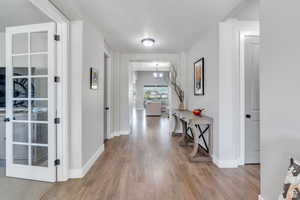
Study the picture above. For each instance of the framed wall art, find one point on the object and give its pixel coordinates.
(93, 79)
(199, 77)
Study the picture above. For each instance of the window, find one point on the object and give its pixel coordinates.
(156, 93)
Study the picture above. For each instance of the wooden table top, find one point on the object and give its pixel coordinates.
(189, 117)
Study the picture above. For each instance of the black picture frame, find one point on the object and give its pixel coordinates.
(199, 77)
(93, 79)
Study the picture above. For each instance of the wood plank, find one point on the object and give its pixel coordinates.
(150, 165)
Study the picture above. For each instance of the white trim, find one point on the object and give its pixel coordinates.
(75, 173)
(80, 173)
(115, 134)
(62, 90)
(119, 133)
(63, 101)
(125, 132)
(260, 197)
(109, 93)
(88, 165)
(111, 135)
(225, 163)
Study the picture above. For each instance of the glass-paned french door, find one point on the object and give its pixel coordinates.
(30, 102)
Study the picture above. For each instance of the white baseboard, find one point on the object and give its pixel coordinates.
(225, 163)
(80, 173)
(126, 132)
(111, 135)
(241, 162)
(118, 133)
(114, 134)
(260, 197)
(75, 173)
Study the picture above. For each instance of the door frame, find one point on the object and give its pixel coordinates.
(108, 92)
(131, 70)
(243, 34)
(230, 128)
(62, 71)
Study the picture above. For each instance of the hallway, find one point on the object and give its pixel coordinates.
(150, 165)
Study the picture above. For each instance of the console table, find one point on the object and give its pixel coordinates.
(194, 124)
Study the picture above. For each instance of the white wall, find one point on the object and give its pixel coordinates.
(92, 100)
(226, 144)
(280, 94)
(87, 50)
(208, 48)
(146, 78)
(76, 34)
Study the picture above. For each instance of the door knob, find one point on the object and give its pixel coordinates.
(248, 116)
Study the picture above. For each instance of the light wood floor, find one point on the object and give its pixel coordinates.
(150, 165)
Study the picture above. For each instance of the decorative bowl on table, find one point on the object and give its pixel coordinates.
(197, 112)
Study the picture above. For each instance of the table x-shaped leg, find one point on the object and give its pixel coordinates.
(194, 156)
(174, 132)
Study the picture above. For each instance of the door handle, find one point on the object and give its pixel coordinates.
(248, 116)
(107, 108)
(6, 119)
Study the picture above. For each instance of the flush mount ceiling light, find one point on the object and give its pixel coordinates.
(148, 42)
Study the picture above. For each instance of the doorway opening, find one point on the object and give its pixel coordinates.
(150, 90)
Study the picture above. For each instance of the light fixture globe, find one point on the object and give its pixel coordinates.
(148, 42)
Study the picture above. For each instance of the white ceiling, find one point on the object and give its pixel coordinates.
(19, 12)
(176, 25)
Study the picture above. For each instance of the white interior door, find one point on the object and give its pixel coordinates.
(105, 97)
(252, 108)
(31, 107)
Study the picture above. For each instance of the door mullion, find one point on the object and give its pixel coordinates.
(29, 101)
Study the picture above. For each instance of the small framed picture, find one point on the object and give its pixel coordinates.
(199, 77)
(93, 79)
